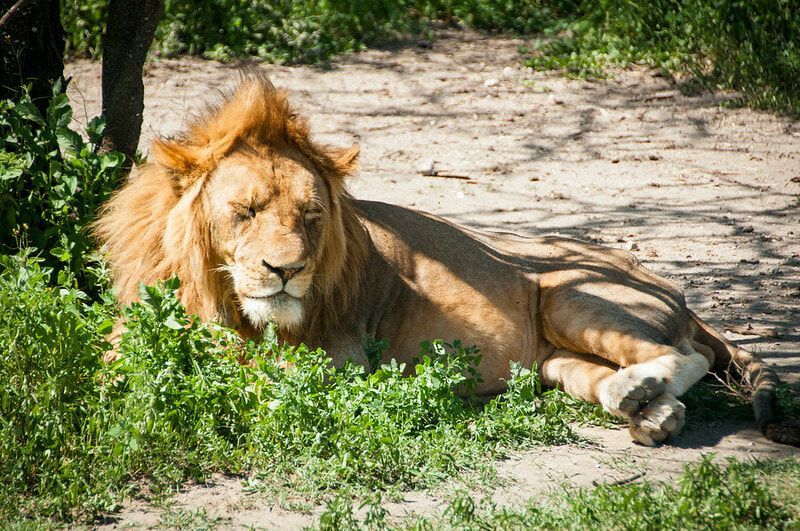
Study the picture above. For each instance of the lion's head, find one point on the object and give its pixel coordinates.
(246, 209)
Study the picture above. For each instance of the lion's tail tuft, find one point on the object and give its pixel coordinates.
(784, 432)
(760, 378)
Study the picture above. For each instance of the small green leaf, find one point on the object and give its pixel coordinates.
(105, 327)
(173, 323)
(68, 141)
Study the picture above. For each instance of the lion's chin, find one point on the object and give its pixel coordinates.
(282, 309)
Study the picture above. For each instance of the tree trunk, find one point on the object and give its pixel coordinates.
(129, 31)
(31, 49)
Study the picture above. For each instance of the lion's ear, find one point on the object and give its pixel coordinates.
(182, 161)
(345, 160)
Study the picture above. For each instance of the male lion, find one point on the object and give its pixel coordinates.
(253, 216)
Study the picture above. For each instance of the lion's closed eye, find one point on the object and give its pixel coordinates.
(243, 213)
(313, 214)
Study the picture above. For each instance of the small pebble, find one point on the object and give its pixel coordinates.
(426, 167)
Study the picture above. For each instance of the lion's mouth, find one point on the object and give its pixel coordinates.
(273, 297)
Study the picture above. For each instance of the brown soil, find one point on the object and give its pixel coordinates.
(704, 194)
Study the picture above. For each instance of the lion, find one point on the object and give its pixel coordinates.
(254, 217)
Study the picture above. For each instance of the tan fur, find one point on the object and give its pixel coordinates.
(253, 216)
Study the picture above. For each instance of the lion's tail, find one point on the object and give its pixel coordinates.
(735, 362)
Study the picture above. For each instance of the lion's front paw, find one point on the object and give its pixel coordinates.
(629, 390)
(662, 418)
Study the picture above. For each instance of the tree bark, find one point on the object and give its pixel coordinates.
(31, 49)
(129, 31)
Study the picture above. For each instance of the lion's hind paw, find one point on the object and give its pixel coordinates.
(629, 390)
(662, 418)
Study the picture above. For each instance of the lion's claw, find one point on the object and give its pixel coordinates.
(662, 418)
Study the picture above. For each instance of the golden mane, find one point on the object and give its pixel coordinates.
(158, 226)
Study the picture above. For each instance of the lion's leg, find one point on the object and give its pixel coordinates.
(638, 393)
(346, 348)
(638, 322)
(632, 319)
(578, 374)
(621, 391)
(646, 392)
(649, 365)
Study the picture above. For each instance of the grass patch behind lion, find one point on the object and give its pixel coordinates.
(751, 46)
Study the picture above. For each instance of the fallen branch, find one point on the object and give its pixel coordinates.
(623, 481)
(657, 96)
(429, 169)
(757, 330)
(740, 388)
(450, 176)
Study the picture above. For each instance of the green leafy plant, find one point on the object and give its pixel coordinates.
(387, 429)
(84, 22)
(52, 182)
(50, 345)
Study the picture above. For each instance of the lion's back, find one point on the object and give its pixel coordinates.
(394, 227)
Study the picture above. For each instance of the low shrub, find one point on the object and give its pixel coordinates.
(751, 46)
(52, 181)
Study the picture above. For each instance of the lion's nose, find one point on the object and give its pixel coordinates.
(285, 272)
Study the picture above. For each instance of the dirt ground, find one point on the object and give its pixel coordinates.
(706, 195)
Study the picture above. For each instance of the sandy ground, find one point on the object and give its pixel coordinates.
(706, 195)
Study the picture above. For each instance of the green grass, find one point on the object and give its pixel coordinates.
(706, 496)
(197, 520)
(303, 31)
(78, 436)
